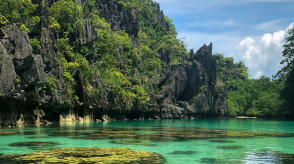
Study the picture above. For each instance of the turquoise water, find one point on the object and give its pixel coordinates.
(253, 149)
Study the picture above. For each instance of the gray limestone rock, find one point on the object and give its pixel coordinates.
(7, 74)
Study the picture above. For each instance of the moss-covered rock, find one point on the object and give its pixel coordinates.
(8, 133)
(87, 155)
(36, 145)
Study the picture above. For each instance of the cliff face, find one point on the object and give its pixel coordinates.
(26, 73)
(191, 88)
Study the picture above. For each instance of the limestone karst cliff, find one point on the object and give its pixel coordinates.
(138, 70)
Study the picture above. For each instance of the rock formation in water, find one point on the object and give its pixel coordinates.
(28, 74)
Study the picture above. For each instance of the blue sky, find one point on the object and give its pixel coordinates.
(250, 30)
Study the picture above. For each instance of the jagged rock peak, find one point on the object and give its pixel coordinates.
(160, 16)
(203, 51)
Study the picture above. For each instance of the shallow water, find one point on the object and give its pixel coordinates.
(179, 141)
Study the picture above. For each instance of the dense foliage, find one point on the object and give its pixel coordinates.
(17, 11)
(110, 70)
(251, 97)
(113, 57)
(286, 74)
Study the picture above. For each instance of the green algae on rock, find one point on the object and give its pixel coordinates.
(36, 145)
(87, 155)
(133, 142)
(8, 132)
(182, 152)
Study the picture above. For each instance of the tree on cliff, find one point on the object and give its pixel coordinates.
(288, 55)
(19, 12)
(287, 74)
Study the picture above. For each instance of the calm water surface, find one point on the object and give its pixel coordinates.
(179, 151)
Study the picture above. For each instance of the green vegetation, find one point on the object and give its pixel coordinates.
(227, 70)
(19, 12)
(68, 14)
(35, 43)
(286, 76)
(125, 72)
(251, 97)
(113, 57)
(259, 97)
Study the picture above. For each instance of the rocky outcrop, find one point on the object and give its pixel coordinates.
(27, 95)
(193, 87)
(21, 74)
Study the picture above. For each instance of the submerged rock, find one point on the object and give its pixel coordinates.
(112, 134)
(36, 145)
(231, 147)
(166, 134)
(133, 142)
(210, 160)
(86, 155)
(219, 161)
(274, 157)
(182, 152)
(222, 141)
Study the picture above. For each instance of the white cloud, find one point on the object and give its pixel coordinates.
(262, 57)
(262, 54)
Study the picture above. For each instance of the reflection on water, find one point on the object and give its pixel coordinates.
(178, 141)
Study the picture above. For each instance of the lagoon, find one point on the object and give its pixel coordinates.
(179, 141)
